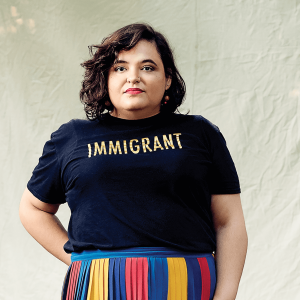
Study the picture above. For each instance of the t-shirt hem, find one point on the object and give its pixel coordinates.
(220, 192)
(41, 198)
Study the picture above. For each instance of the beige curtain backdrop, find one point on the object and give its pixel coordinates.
(240, 60)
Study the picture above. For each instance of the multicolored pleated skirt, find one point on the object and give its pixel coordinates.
(140, 273)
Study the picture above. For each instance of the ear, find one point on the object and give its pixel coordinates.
(168, 83)
(169, 80)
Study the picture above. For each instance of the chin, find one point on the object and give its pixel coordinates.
(135, 106)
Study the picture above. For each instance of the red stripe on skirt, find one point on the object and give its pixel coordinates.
(73, 279)
(136, 278)
(143, 270)
(140, 278)
(205, 274)
(71, 282)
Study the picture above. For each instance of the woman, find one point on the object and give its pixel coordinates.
(152, 193)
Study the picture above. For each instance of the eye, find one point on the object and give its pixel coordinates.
(117, 68)
(151, 68)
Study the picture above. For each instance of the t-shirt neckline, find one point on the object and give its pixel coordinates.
(139, 122)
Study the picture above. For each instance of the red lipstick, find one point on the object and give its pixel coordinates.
(133, 91)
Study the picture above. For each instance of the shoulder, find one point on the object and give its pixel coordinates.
(199, 121)
(64, 130)
(209, 125)
(73, 123)
(67, 133)
(65, 138)
(72, 128)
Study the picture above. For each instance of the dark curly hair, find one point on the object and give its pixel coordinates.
(94, 92)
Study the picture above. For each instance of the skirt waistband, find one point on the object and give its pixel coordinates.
(135, 252)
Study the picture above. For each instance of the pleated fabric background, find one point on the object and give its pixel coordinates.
(141, 278)
(240, 60)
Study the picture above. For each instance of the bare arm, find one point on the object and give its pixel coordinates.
(40, 221)
(232, 243)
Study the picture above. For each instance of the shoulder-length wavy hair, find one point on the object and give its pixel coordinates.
(94, 92)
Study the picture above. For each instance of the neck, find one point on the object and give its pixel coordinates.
(134, 114)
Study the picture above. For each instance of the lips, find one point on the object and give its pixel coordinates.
(133, 90)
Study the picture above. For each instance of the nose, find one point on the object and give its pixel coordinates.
(133, 77)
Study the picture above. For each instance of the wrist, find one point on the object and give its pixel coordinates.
(67, 259)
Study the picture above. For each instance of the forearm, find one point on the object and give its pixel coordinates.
(230, 257)
(47, 230)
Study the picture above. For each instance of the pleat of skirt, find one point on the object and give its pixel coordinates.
(140, 273)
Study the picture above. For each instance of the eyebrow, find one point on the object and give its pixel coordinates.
(118, 61)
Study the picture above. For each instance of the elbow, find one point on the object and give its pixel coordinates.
(236, 227)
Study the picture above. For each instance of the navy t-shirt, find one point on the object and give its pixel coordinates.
(133, 183)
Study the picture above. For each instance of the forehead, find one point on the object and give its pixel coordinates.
(142, 50)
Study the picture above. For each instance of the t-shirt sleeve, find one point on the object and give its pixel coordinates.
(46, 182)
(222, 175)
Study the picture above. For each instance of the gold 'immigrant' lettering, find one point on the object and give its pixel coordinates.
(99, 150)
(134, 145)
(125, 146)
(137, 146)
(114, 148)
(90, 150)
(145, 145)
(168, 141)
(177, 138)
(157, 144)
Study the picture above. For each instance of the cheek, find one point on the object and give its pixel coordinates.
(158, 85)
(113, 84)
